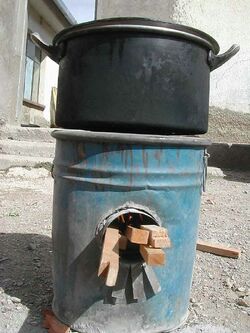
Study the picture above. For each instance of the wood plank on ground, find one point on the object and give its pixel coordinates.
(218, 249)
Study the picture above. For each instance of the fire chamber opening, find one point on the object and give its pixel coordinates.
(131, 241)
(126, 221)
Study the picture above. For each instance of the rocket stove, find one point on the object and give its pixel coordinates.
(126, 206)
(105, 180)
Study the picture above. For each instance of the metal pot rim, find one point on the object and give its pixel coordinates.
(130, 138)
(137, 24)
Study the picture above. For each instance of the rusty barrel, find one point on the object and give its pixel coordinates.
(99, 176)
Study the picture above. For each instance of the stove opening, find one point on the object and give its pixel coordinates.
(129, 251)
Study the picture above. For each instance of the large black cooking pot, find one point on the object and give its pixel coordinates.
(134, 75)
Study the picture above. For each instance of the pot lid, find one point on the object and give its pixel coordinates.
(139, 25)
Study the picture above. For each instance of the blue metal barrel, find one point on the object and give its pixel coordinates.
(99, 174)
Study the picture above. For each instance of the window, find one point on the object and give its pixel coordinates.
(32, 71)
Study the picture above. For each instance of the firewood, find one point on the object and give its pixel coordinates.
(109, 264)
(152, 256)
(137, 236)
(154, 230)
(113, 270)
(158, 237)
(217, 249)
(159, 242)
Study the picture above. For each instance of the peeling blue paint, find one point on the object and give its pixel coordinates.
(94, 179)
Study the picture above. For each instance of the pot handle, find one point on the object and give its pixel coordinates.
(54, 52)
(215, 61)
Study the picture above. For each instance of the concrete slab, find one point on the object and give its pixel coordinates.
(9, 161)
(33, 134)
(27, 148)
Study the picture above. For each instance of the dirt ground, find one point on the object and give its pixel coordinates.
(220, 297)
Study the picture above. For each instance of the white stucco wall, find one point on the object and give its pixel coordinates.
(228, 21)
(49, 68)
(225, 20)
(13, 25)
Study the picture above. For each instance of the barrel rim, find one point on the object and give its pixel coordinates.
(139, 24)
(129, 138)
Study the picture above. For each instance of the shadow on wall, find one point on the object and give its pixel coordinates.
(26, 274)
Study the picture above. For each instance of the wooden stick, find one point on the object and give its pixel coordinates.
(217, 249)
(112, 272)
(152, 256)
(158, 236)
(154, 230)
(109, 264)
(137, 236)
(159, 242)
